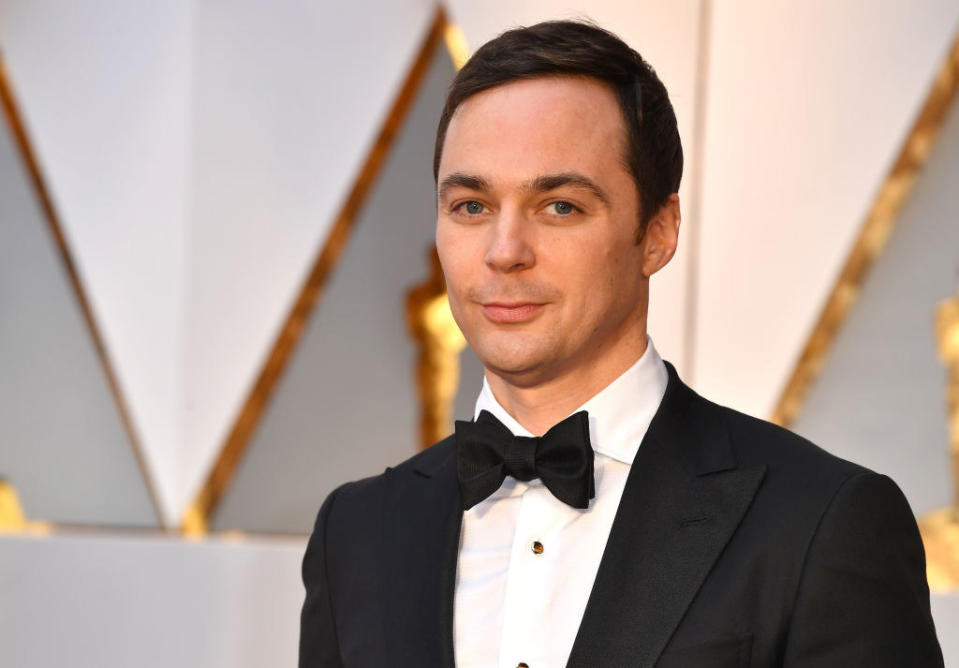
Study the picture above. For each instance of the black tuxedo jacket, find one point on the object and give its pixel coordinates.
(736, 544)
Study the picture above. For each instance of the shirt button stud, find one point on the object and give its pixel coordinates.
(537, 549)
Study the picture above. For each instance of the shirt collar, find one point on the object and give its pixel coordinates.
(619, 414)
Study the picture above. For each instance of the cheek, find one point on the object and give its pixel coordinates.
(460, 267)
(597, 276)
(584, 266)
(450, 251)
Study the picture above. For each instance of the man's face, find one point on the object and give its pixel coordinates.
(536, 228)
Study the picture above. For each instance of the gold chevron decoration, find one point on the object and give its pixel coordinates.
(195, 521)
(873, 235)
(10, 111)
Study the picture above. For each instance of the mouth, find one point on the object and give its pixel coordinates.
(511, 313)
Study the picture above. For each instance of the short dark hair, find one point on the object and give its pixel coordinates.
(654, 154)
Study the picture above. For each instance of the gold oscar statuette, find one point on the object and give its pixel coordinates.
(940, 528)
(438, 362)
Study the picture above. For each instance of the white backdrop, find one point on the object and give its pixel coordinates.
(197, 153)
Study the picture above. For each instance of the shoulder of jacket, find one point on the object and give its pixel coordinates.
(425, 461)
(798, 471)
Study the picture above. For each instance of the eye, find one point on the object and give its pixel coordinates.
(471, 207)
(562, 208)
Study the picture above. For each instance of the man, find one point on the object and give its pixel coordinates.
(596, 512)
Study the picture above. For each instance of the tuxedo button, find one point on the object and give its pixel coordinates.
(537, 549)
(522, 665)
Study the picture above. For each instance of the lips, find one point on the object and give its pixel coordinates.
(511, 313)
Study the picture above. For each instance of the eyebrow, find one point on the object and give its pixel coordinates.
(549, 182)
(461, 180)
(540, 184)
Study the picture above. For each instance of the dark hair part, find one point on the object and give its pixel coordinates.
(654, 154)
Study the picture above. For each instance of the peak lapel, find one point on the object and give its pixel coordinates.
(683, 501)
(423, 524)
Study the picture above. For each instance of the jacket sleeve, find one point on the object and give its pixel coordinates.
(318, 643)
(863, 598)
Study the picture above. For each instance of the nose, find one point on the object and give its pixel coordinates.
(509, 249)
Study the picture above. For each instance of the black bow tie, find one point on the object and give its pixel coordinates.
(487, 452)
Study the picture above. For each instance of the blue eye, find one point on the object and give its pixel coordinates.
(473, 207)
(563, 208)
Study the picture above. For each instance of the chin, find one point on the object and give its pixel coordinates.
(515, 361)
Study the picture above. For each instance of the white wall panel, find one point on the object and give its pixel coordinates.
(808, 105)
(149, 601)
(666, 35)
(880, 400)
(316, 432)
(198, 152)
(288, 97)
(104, 87)
(54, 394)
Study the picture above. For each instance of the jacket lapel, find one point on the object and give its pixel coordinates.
(423, 520)
(684, 498)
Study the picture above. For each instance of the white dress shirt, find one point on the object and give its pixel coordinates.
(527, 561)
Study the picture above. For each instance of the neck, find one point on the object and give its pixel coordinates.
(541, 405)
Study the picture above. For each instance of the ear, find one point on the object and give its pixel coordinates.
(661, 236)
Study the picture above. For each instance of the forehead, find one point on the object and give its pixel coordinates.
(536, 126)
